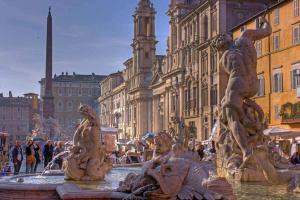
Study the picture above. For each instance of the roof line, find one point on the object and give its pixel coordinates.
(260, 13)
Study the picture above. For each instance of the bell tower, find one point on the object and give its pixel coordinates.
(144, 42)
(143, 61)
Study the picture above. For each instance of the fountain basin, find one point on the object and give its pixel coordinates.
(54, 187)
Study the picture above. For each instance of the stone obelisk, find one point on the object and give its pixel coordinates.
(48, 99)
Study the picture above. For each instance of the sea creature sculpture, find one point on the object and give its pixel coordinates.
(87, 160)
(174, 173)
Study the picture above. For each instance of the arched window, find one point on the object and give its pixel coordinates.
(70, 106)
(60, 106)
(190, 94)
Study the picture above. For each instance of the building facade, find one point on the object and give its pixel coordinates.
(16, 115)
(113, 102)
(69, 90)
(139, 70)
(188, 84)
(278, 64)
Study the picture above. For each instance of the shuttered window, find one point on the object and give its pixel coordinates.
(296, 8)
(261, 86)
(277, 82)
(296, 34)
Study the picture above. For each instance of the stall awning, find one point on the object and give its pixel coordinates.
(2, 134)
(281, 132)
(110, 130)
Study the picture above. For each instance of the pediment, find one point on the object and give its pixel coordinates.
(156, 79)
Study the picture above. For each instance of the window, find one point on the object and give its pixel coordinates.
(134, 113)
(173, 103)
(277, 82)
(214, 62)
(204, 97)
(60, 106)
(296, 34)
(276, 41)
(296, 8)
(205, 29)
(214, 95)
(259, 48)
(276, 16)
(261, 86)
(276, 112)
(295, 76)
(70, 106)
(204, 63)
(243, 28)
(69, 91)
(59, 92)
(257, 23)
(186, 99)
(195, 97)
(214, 23)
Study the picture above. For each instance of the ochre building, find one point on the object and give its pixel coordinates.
(278, 64)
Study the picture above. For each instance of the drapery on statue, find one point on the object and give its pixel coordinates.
(243, 152)
(87, 160)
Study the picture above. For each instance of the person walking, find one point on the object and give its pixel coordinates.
(48, 152)
(200, 151)
(37, 156)
(30, 157)
(17, 157)
(58, 149)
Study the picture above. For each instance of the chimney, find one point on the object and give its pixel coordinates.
(10, 94)
(1, 94)
(67, 73)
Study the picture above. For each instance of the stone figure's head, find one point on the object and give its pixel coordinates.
(163, 143)
(86, 111)
(222, 42)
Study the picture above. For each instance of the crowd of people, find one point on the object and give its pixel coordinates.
(34, 153)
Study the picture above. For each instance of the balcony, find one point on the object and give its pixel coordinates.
(290, 113)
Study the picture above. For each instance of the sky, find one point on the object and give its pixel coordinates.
(89, 36)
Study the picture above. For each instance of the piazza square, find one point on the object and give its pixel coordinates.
(150, 99)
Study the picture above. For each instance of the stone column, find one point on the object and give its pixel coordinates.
(181, 100)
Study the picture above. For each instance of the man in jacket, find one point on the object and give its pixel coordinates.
(17, 157)
(48, 152)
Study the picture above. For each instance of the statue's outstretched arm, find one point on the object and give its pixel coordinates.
(259, 33)
(76, 135)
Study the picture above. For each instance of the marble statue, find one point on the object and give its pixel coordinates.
(87, 160)
(243, 152)
(38, 125)
(174, 173)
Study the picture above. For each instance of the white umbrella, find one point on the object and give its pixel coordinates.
(281, 132)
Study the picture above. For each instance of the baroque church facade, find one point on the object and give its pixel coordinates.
(186, 85)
